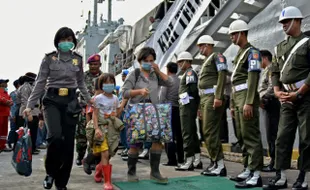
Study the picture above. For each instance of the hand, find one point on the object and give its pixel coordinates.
(155, 67)
(281, 95)
(41, 124)
(27, 113)
(199, 114)
(247, 111)
(217, 103)
(98, 133)
(232, 112)
(144, 92)
(288, 97)
(91, 101)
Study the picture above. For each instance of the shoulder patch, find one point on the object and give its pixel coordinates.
(189, 73)
(77, 54)
(220, 62)
(254, 60)
(191, 77)
(51, 53)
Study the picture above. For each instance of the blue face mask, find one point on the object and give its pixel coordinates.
(146, 66)
(108, 88)
(6, 89)
(65, 46)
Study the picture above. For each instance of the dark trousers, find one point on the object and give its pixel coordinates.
(12, 134)
(33, 126)
(176, 147)
(61, 127)
(224, 124)
(272, 108)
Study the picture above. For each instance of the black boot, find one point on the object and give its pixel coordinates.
(48, 182)
(79, 159)
(300, 183)
(211, 167)
(154, 162)
(132, 167)
(90, 158)
(276, 182)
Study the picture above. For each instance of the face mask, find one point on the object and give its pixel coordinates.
(146, 66)
(6, 89)
(108, 88)
(65, 46)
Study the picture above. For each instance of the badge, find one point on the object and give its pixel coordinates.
(255, 55)
(221, 59)
(75, 61)
(189, 73)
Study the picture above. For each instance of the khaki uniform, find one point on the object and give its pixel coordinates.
(293, 114)
(212, 80)
(245, 80)
(188, 112)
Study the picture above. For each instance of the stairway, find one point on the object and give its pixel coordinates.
(217, 27)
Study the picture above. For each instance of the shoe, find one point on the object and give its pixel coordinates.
(36, 152)
(87, 163)
(144, 155)
(268, 168)
(170, 164)
(61, 188)
(42, 146)
(107, 171)
(48, 182)
(300, 183)
(187, 166)
(197, 162)
(211, 167)
(132, 167)
(98, 173)
(242, 176)
(254, 180)
(124, 158)
(278, 182)
(7, 149)
(124, 153)
(79, 159)
(93, 167)
(155, 173)
(219, 170)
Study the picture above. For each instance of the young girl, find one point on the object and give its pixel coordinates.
(107, 126)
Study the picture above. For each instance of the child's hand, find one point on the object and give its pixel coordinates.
(98, 133)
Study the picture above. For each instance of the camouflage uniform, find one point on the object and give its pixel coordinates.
(80, 136)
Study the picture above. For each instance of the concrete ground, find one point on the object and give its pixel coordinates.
(10, 180)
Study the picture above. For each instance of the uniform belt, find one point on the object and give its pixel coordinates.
(294, 86)
(240, 87)
(62, 91)
(206, 91)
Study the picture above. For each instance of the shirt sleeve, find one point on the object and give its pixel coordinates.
(128, 85)
(81, 84)
(40, 83)
(221, 66)
(254, 61)
(162, 82)
(97, 102)
(275, 71)
(118, 104)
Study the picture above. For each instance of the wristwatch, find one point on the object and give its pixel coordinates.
(298, 95)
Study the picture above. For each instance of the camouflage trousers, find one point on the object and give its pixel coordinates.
(80, 137)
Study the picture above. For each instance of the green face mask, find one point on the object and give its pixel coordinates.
(65, 46)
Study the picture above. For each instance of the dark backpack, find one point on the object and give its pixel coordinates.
(137, 74)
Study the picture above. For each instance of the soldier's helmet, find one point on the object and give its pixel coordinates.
(238, 26)
(184, 56)
(290, 12)
(205, 39)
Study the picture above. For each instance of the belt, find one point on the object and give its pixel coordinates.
(240, 87)
(62, 91)
(294, 86)
(206, 91)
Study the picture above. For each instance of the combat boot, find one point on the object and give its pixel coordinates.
(197, 161)
(242, 176)
(219, 170)
(254, 180)
(187, 166)
(278, 182)
(301, 183)
(132, 167)
(154, 163)
(87, 163)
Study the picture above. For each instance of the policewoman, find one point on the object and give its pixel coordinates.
(61, 73)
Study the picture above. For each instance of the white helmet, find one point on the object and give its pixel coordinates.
(238, 26)
(290, 13)
(185, 56)
(205, 39)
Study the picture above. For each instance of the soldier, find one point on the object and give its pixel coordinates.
(212, 79)
(189, 102)
(290, 79)
(245, 78)
(81, 140)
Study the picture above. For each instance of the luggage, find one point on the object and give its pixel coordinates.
(22, 155)
(148, 122)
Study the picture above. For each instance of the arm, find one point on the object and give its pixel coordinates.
(40, 83)
(128, 87)
(162, 82)
(163, 95)
(253, 78)
(95, 118)
(81, 84)
(220, 86)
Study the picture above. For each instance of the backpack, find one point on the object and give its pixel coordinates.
(137, 74)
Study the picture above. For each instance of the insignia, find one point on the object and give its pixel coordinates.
(221, 59)
(189, 73)
(255, 55)
(75, 61)
(96, 58)
(54, 58)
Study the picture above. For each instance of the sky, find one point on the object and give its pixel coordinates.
(28, 28)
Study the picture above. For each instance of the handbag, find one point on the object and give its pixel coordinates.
(148, 122)
(22, 155)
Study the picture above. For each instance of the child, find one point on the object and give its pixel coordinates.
(107, 126)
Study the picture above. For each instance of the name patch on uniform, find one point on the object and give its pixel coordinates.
(75, 61)
(221, 63)
(190, 77)
(254, 60)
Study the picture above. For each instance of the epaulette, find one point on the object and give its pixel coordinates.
(77, 54)
(51, 53)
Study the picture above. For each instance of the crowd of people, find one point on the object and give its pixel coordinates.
(57, 114)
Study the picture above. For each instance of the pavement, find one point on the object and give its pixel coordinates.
(10, 180)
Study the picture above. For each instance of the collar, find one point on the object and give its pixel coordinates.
(246, 46)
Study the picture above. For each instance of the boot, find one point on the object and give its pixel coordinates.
(301, 183)
(87, 163)
(278, 182)
(219, 170)
(155, 173)
(242, 176)
(131, 163)
(197, 162)
(254, 180)
(211, 167)
(98, 173)
(144, 154)
(107, 172)
(187, 166)
(79, 159)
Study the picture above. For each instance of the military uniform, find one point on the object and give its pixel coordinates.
(188, 93)
(212, 79)
(245, 78)
(290, 73)
(80, 136)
